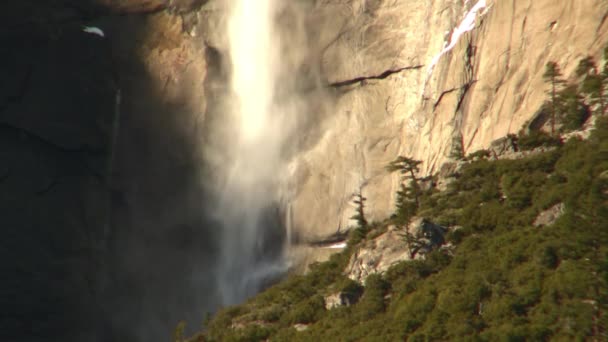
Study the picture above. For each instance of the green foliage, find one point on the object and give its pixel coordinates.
(537, 139)
(408, 197)
(350, 288)
(594, 82)
(572, 110)
(306, 311)
(457, 150)
(178, 333)
(362, 228)
(572, 104)
(406, 166)
(372, 302)
(505, 279)
(553, 76)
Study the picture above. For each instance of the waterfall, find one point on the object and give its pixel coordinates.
(252, 235)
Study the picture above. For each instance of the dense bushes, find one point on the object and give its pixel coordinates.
(505, 280)
(537, 139)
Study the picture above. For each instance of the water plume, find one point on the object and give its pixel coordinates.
(249, 210)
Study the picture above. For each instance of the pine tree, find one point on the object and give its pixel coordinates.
(360, 215)
(573, 110)
(408, 197)
(553, 75)
(594, 82)
(457, 152)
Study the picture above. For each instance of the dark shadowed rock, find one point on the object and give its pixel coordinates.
(341, 298)
(503, 146)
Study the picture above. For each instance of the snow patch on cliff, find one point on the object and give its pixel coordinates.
(467, 24)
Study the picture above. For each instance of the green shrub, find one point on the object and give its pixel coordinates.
(537, 139)
(503, 280)
(307, 311)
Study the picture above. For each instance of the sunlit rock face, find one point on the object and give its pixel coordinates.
(488, 85)
(380, 79)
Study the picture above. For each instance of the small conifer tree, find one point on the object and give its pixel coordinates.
(360, 215)
(408, 197)
(572, 109)
(594, 82)
(553, 76)
(457, 152)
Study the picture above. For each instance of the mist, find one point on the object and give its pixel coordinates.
(205, 221)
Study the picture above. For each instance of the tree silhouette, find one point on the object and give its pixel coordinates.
(553, 76)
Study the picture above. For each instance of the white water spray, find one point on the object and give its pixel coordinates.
(252, 234)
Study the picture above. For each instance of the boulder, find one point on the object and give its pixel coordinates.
(341, 299)
(504, 145)
(549, 216)
(300, 327)
(379, 254)
(428, 234)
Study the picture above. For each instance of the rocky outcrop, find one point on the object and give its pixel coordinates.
(379, 254)
(300, 327)
(549, 216)
(340, 299)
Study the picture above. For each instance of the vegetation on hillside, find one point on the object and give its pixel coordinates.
(504, 279)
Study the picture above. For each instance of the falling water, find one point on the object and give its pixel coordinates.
(251, 234)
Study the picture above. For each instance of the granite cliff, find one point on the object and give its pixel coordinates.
(390, 101)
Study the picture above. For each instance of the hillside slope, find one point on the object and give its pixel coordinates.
(503, 274)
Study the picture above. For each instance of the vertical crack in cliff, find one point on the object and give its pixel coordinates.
(464, 88)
